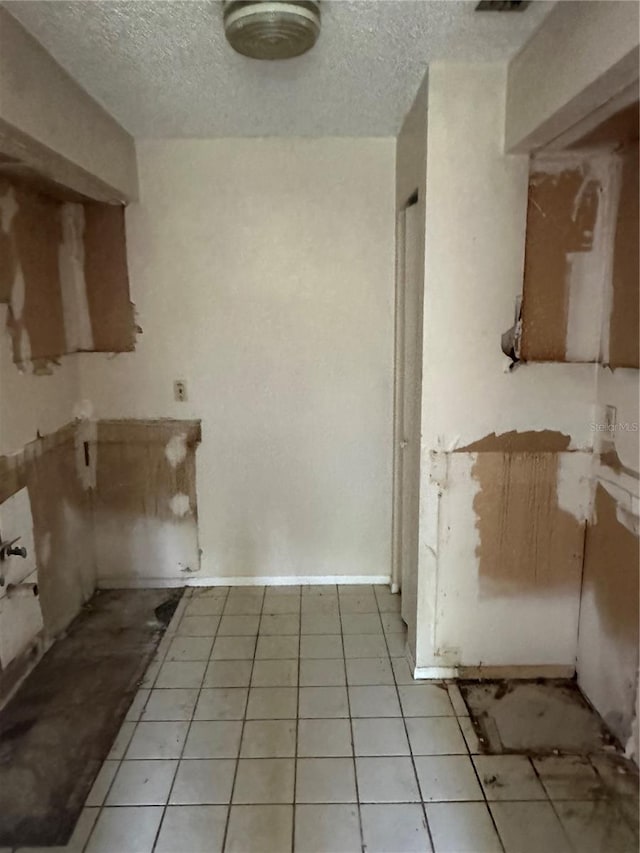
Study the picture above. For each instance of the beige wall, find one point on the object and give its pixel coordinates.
(49, 116)
(262, 272)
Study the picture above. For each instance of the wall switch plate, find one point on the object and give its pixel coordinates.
(180, 391)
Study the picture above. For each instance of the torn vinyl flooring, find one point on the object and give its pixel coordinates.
(58, 728)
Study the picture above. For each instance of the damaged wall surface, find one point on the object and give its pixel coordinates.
(607, 663)
(262, 272)
(44, 500)
(511, 456)
(145, 514)
(580, 293)
(64, 276)
(95, 504)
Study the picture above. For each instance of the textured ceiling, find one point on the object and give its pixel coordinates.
(164, 68)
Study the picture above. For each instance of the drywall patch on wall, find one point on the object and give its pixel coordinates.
(609, 635)
(180, 505)
(145, 506)
(484, 626)
(527, 542)
(176, 449)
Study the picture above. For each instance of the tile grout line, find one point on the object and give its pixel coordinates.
(353, 745)
(193, 713)
(553, 806)
(295, 758)
(486, 802)
(244, 722)
(406, 731)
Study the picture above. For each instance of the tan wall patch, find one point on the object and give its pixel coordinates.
(527, 543)
(107, 277)
(145, 502)
(561, 216)
(531, 441)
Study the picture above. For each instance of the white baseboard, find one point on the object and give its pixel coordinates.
(128, 582)
(434, 672)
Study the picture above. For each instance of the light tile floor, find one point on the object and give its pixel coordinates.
(286, 719)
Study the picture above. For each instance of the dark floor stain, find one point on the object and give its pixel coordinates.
(535, 717)
(59, 727)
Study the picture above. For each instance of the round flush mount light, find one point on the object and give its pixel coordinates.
(263, 29)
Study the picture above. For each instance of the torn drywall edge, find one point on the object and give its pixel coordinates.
(176, 449)
(65, 262)
(513, 441)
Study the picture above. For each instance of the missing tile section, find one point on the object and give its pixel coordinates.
(541, 717)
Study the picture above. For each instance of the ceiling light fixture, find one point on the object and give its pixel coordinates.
(263, 29)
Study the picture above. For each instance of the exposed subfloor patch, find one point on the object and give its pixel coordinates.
(59, 727)
(542, 717)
